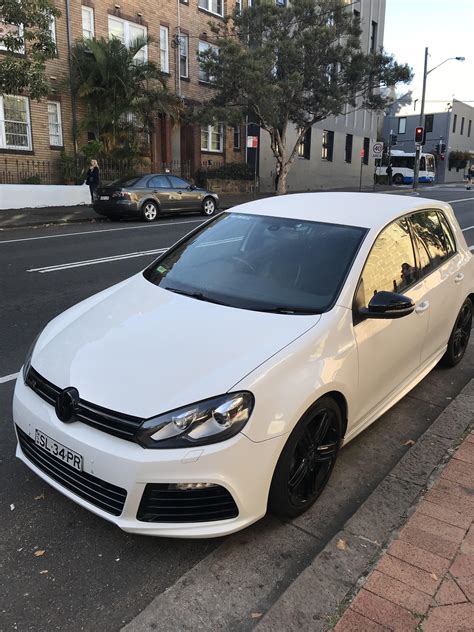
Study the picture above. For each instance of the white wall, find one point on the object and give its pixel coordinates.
(40, 195)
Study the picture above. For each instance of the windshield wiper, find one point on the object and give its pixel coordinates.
(289, 310)
(197, 295)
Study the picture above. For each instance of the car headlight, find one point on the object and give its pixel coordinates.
(205, 422)
(27, 362)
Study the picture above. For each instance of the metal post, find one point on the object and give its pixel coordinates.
(420, 123)
(361, 165)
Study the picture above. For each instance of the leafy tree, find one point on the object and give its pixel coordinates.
(122, 93)
(24, 31)
(295, 64)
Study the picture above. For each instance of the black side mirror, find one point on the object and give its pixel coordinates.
(388, 305)
(192, 187)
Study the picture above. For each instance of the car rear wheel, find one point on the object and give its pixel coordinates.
(398, 178)
(459, 339)
(149, 211)
(307, 460)
(208, 206)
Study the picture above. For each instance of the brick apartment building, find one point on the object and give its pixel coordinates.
(34, 133)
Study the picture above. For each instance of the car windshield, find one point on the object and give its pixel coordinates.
(127, 182)
(261, 263)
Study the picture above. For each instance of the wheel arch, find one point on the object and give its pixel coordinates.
(144, 200)
(341, 401)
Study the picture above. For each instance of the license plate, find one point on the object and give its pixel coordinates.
(104, 197)
(58, 450)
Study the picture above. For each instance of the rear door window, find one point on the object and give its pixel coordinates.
(158, 182)
(178, 183)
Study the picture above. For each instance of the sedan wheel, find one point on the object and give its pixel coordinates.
(460, 335)
(307, 460)
(149, 212)
(208, 206)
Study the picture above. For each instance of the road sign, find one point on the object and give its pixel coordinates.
(252, 142)
(377, 150)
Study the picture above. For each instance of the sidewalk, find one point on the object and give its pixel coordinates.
(425, 580)
(30, 217)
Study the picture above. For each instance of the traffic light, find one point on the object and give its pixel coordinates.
(393, 139)
(437, 148)
(442, 149)
(419, 135)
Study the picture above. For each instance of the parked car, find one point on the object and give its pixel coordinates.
(224, 378)
(148, 197)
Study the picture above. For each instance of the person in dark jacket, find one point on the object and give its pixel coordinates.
(93, 178)
(389, 172)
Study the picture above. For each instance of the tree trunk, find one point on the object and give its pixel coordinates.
(281, 185)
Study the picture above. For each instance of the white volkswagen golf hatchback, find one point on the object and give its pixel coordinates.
(223, 380)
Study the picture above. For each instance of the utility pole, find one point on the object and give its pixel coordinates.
(420, 122)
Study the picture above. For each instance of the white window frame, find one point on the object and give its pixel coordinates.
(209, 131)
(237, 134)
(90, 12)
(57, 105)
(52, 28)
(20, 51)
(3, 135)
(238, 6)
(402, 123)
(126, 33)
(211, 6)
(164, 49)
(184, 52)
(204, 76)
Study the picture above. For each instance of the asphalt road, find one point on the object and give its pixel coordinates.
(91, 575)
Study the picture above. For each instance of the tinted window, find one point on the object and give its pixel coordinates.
(448, 234)
(158, 182)
(390, 266)
(262, 263)
(403, 162)
(432, 239)
(178, 183)
(127, 182)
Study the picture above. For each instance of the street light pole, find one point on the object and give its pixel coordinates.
(420, 122)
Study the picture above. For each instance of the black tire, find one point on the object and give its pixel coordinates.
(208, 207)
(459, 339)
(150, 211)
(309, 457)
(398, 178)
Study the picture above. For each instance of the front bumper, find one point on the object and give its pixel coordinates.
(241, 466)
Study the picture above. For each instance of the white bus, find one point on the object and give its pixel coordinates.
(403, 165)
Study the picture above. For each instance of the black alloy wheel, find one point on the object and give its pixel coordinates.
(307, 460)
(460, 335)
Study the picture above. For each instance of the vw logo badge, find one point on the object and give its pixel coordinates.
(66, 404)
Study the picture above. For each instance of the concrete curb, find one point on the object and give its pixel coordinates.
(222, 590)
(338, 572)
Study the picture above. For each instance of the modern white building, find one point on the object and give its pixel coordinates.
(331, 155)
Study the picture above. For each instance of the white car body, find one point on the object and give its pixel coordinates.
(142, 350)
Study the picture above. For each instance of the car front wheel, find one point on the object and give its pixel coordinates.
(307, 460)
(459, 339)
(208, 206)
(149, 211)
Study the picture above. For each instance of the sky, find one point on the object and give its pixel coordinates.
(447, 28)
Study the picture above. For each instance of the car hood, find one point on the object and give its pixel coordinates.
(141, 350)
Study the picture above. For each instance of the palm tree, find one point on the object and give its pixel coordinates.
(123, 94)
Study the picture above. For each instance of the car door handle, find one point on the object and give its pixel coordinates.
(422, 307)
(459, 278)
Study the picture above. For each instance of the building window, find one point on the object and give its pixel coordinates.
(357, 14)
(128, 33)
(236, 130)
(461, 131)
(469, 129)
(204, 74)
(164, 49)
(213, 6)
(54, 122)
(327, 146)
(373, 37)
(15, 125)
(402, 125)
(184, 56)
(366, 150)
(238, 6)
(87, 22)
(212, 138)
(429, 120)
(280, 3)
(455, 120)
(348, 149)
(304, 146)
(250, 3)
(11, 29)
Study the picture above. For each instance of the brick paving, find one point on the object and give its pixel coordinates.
(425, 580)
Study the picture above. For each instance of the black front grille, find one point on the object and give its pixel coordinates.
(104, 495)
(114, 423)
(165, 503)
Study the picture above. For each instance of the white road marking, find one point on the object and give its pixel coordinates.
(468, 228)
(471, 199)
(99, 232)
(93, 262)
(8, 378)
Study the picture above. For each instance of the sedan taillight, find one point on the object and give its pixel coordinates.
(122, 194)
